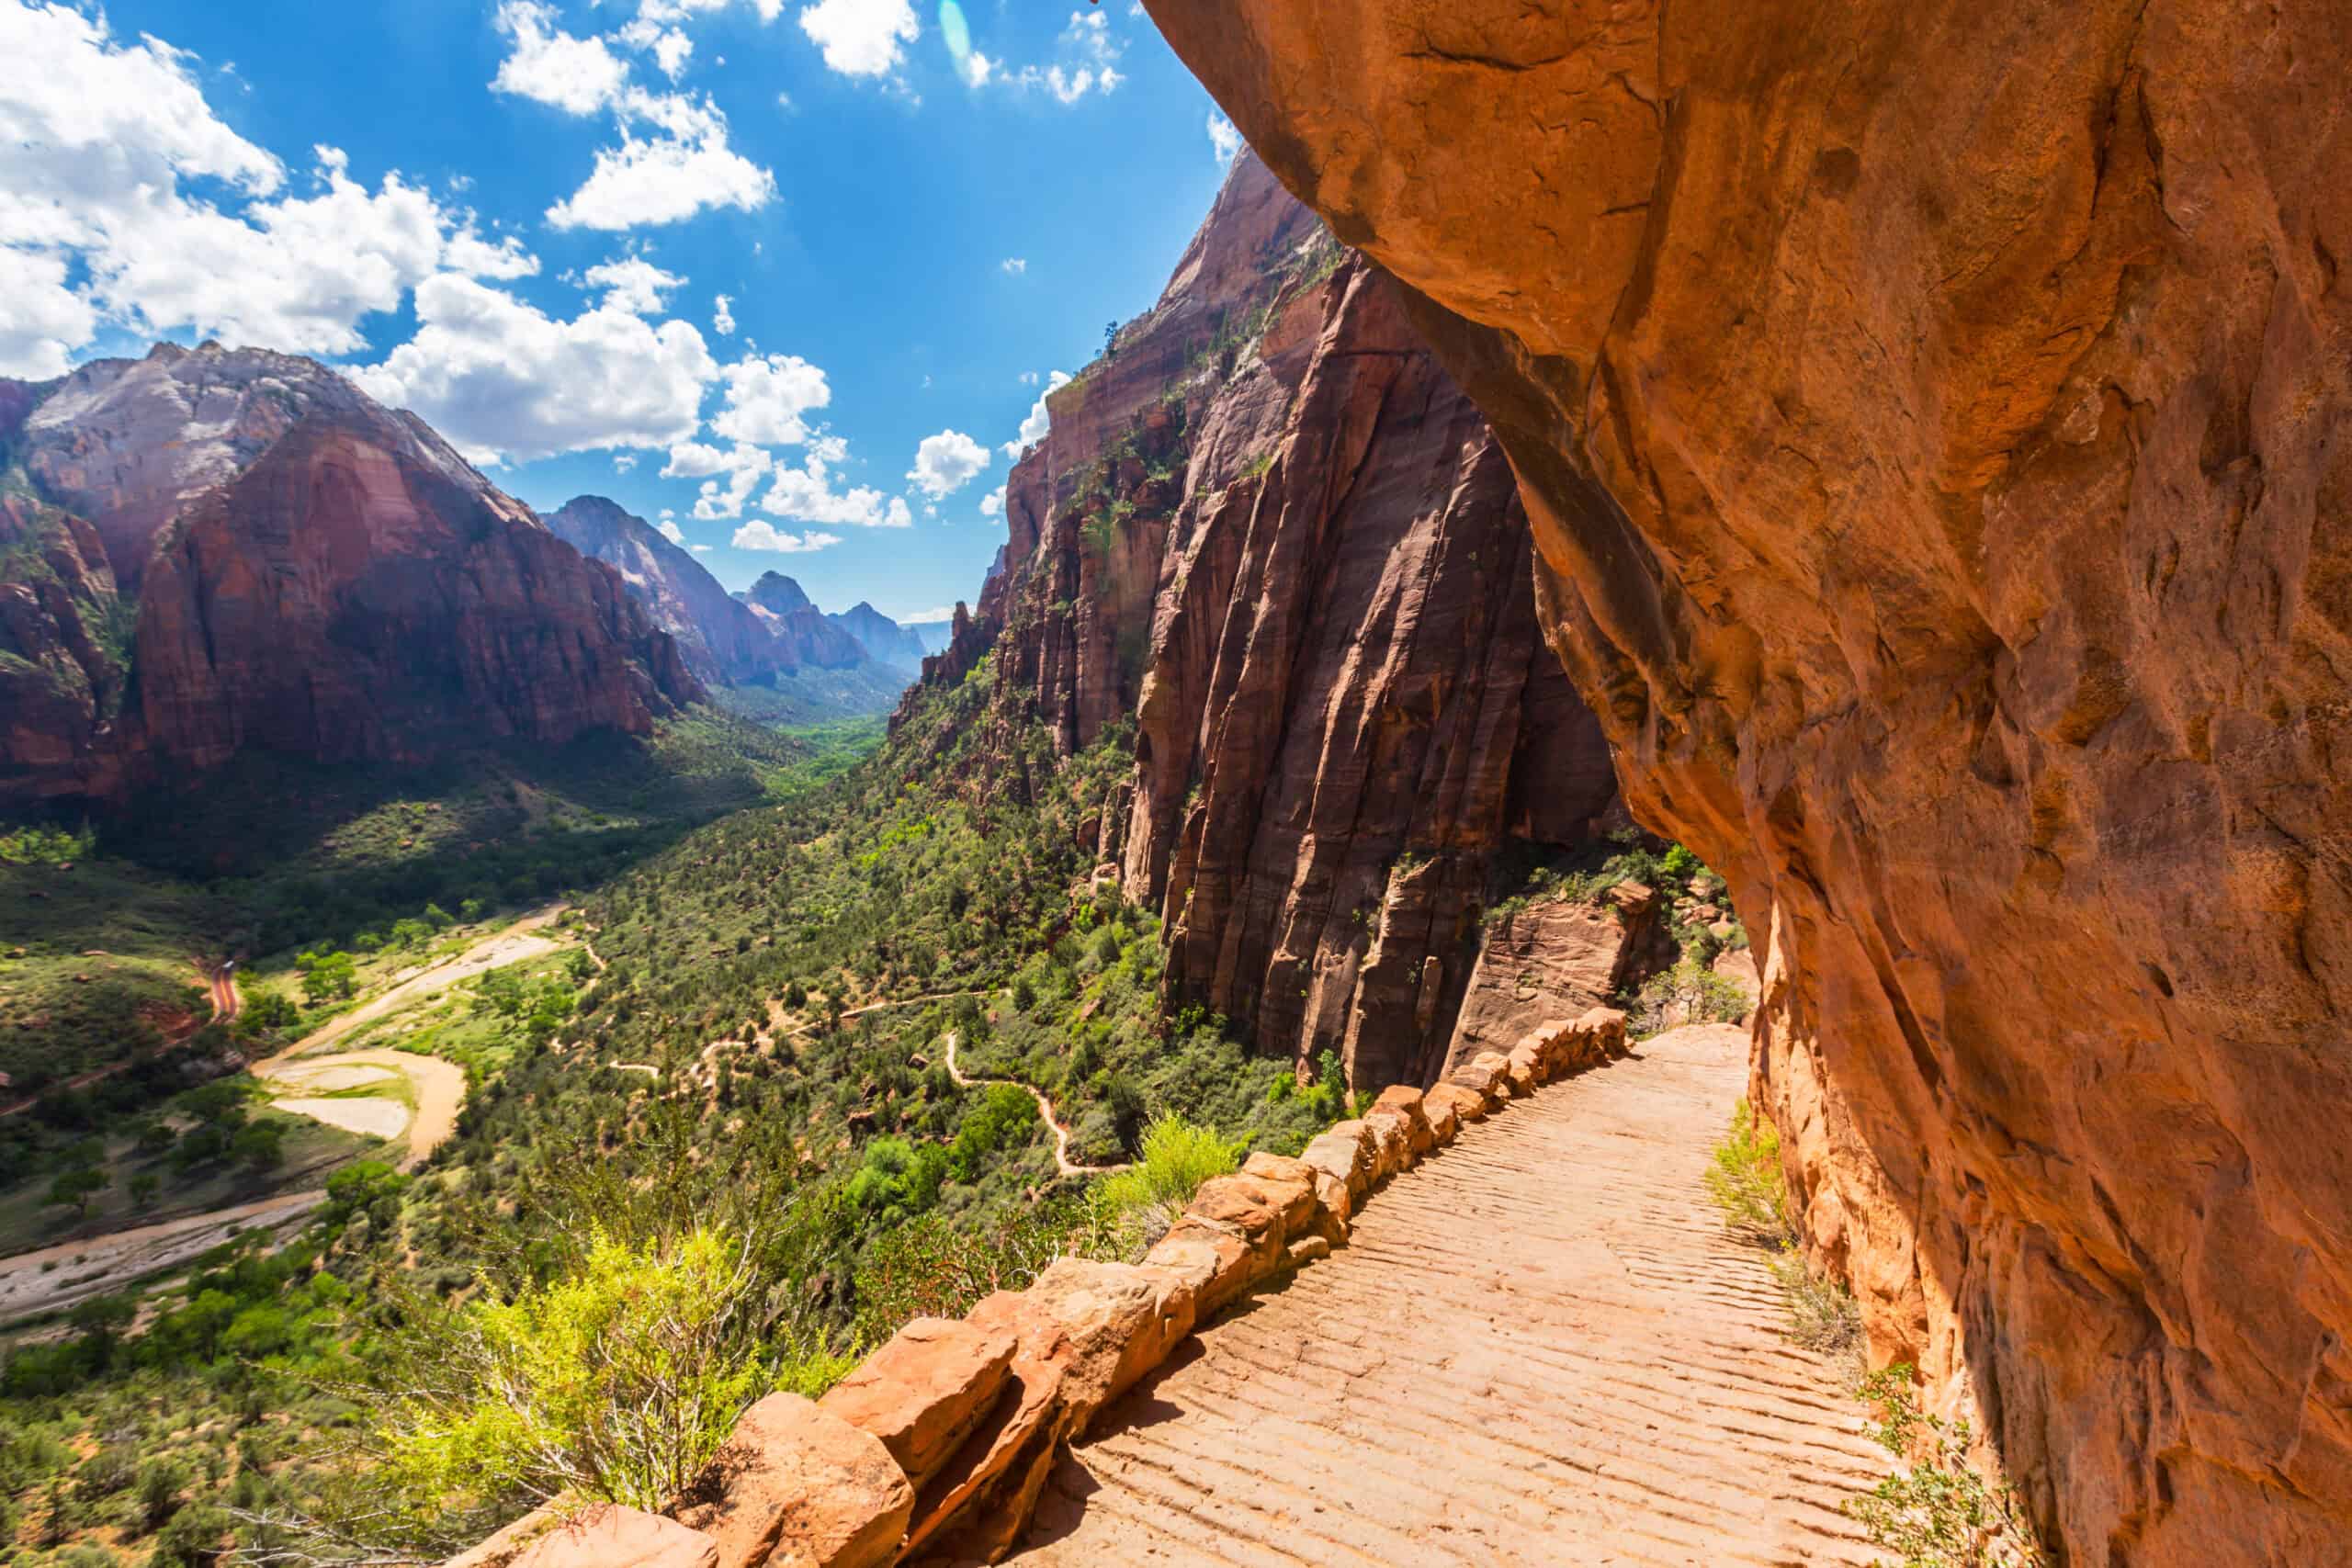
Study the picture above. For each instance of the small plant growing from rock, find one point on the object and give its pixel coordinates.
(1747, 1184)
(1940, 1512)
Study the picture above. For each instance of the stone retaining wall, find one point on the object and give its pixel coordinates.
(935, 1449)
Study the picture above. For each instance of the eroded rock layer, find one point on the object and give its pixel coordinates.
(1933, 420)
(1271, 529)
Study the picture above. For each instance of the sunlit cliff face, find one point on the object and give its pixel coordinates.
(1931, 422)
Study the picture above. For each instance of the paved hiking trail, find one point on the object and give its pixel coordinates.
(1539, 1348)
(1045, 1108)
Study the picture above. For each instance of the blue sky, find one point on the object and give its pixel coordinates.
(518, 218)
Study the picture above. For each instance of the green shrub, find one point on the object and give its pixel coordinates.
(1823, 1315)
(1700, 995)
(1746, 1181)
(1177, 1155)
(619, 1382)
(1939, 1511)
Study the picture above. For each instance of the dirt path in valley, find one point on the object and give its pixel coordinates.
(1539, 1348)
(513, 945)
(120, 1259)
(222, 986)
(32, 1283)
(1062, 1161)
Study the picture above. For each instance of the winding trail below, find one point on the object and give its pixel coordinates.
(1062, 1161)
(1539, 1349)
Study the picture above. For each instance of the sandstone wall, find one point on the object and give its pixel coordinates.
(1932, 419)
(1272, 529)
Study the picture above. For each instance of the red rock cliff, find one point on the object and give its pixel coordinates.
(1269, 527)
(1933, 420)
(314, 575)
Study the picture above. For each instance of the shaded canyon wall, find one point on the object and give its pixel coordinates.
(1270, 528)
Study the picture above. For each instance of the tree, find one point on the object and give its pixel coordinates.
(327, 976)
(74, 1188)
(159, 1495)
(143, 1188)
(261, 1145)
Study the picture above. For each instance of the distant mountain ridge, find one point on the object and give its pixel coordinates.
(723, 638)
(883, 637)
(901, 648)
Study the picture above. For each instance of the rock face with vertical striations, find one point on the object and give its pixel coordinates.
(1269, 528)
(313, 573)
(1935, 425)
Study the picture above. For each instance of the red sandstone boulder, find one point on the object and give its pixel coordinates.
(1405, 1101)
(1212, 1260)
(798, 1485)
(924, 1391)
(605, 1535)
(1524, 1068)
(1103, 1323)
(1392, 1145)
(1449, 1104)
(1300, 1185)
(1346, 1153)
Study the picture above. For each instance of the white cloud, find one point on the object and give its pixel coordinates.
(624, 462)
(632, 283)
(923, 617)
(669, 47)
(661, 178)
(700, 549)
(39, 317)
(1088, 65)
(1033, 428)
(861, 38)
(551, 66)
(722, 316)
(946, 462)
(671, 530)
(1224, 140)
(498, 376)
(977, 69)
(95, 139)
(739, 469)
(1028, 378)
(761, 535)
(726, 495)
(1015, 265)
(805, 494)
(992, 504)
(766, 398)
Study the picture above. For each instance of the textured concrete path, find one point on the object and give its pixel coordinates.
(1539, 1348)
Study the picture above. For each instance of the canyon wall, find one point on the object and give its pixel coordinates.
(1270, 528)
(1933, 423)
(311, 573)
